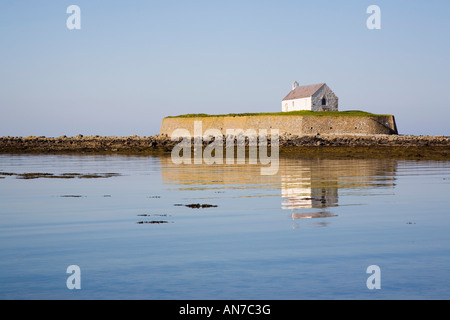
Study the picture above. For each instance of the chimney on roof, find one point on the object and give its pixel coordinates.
(294, 85)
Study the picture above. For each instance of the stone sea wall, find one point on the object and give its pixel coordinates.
(293, 125)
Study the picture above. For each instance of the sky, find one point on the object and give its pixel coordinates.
(134, 62)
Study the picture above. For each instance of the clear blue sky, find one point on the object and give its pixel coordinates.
(134, 62)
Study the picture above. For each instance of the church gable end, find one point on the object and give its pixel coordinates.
(324, 100)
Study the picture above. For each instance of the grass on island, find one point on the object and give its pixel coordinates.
(350, 113)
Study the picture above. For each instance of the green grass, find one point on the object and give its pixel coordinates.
(350, 113)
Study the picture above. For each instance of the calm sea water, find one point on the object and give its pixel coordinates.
(308, 232)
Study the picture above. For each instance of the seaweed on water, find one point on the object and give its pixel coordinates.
(34, 175)
(37, 175)
(90, 176)
(153, 222)
(98, 175)
(7, 174)
(196, 205)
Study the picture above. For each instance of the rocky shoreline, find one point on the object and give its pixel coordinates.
(405, 146)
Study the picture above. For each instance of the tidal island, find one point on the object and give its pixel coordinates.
(309, 125)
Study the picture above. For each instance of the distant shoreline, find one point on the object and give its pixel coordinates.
(362, 146)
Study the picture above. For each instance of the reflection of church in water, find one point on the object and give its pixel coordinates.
(305, 192)
(302, 193)
(315, 184)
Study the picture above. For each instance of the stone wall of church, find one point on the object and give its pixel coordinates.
(332, 100)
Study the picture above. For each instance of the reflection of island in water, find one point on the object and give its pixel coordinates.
(304, 184)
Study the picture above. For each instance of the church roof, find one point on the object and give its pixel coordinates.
(303, 91)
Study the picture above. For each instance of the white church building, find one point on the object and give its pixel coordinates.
(316, 97)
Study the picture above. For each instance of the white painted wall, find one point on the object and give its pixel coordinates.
(296, 105)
